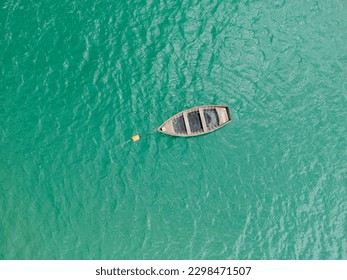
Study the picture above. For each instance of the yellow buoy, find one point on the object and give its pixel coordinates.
(135, 138)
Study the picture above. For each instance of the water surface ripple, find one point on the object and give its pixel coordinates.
(79, 79)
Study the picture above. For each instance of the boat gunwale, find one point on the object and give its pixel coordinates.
(193, 110)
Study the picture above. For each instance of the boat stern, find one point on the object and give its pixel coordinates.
(223, 114)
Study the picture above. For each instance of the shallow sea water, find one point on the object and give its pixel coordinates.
(78, 79)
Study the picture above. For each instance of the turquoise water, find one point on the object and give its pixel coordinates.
(78, 79)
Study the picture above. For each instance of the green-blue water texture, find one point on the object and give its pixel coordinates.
(79, 78)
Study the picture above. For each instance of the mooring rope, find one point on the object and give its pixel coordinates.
(137, 137)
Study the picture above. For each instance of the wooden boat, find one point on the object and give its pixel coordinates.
(196, 121)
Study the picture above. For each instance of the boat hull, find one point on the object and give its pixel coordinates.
(196, 121)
